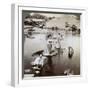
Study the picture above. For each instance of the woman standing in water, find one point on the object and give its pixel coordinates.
(57, 41)
(49, 44)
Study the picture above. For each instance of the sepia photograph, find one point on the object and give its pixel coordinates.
(51, 44)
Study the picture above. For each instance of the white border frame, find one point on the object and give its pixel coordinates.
(16, 65)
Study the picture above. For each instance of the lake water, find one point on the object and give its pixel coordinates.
(59, 64)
